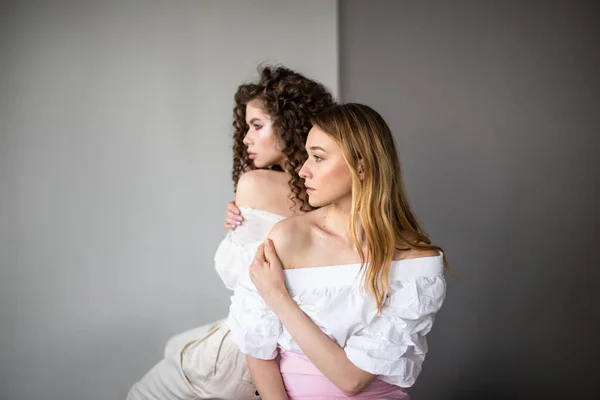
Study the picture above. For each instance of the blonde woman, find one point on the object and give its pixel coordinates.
(338, 301)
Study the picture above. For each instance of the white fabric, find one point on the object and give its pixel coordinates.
(237, 250)
(391, 345)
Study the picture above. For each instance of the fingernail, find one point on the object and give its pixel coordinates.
(239, 219)
(238, 223)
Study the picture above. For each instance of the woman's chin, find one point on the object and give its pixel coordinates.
(314, 203)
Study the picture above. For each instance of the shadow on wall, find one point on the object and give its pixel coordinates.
(500, 379)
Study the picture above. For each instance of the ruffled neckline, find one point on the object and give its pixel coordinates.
(262, 213)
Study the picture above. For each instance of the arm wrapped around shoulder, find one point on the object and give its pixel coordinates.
(393, 345)
(254, 327)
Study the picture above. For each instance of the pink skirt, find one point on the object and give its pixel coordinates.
(303, 380)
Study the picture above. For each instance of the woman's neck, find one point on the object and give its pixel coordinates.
(278, 167)
(281, 164)
(336, 218)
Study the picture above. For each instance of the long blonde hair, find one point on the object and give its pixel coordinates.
(381, 216)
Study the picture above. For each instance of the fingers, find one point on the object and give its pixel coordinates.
(233, 217)
(260, 254)
(270, 253)
(231, 206)
(233, 221)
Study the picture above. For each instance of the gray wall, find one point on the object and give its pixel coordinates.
(114, 168)
(496, 110)
(115, 123)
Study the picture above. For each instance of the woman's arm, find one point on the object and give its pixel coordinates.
(255, 330)
(327, 355)
(330, 358)
(267, 378)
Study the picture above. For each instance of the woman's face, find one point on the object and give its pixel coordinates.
(326, 174)
(264, 147)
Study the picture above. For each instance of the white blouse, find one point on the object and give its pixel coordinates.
(391, 345)
(237, 250)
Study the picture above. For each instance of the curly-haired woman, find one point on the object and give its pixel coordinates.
(272, 118)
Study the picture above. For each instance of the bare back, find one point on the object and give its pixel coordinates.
(267, 191)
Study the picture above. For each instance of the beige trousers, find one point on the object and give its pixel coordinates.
(201, 363)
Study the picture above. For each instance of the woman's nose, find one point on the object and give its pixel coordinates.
(247, 140)
(304, 172)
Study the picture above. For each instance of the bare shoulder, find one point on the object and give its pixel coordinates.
(291, 237)
(263, 189)
(290, 233)
(250, 181)
(414, 252)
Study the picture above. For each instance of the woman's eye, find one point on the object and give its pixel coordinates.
(318, 159)
(257, 127)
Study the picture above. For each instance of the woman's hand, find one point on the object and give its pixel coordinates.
(233, 217)
(266, 273)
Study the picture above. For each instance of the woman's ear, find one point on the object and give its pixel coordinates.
(361, 169)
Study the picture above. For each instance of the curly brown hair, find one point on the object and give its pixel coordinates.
(291, 100)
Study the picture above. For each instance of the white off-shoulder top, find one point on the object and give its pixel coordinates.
(236, 252)
(391, 345)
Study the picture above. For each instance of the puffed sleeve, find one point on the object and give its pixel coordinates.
(393, 344)
(254, 327)
(233, 255)
(236, 251)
